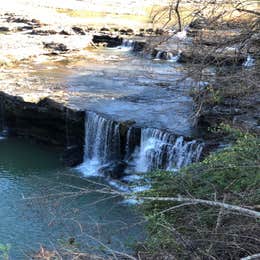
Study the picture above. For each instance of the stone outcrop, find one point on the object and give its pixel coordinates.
(48, 122)
(242, 112)
(108, 40)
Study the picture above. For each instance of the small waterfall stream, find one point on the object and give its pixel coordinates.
(249, 62)
(127, 45)
(102, 143)
(168, 56)
(162, 150)
(142, 150)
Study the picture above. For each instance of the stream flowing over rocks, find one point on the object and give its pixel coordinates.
(94, 97)
(113, 111)
(111, 148)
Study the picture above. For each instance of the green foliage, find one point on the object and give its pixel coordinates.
(232, 173)
(4, 251)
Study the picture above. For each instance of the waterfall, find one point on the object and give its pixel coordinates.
(166, 55)
(131, 142)
(162, 150)
(175, 58)
(250, 61)
(102, 140)
(158, 55)
(123, 150)
(127, 45)
(102, 143)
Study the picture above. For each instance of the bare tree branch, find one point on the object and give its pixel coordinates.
(229, 207)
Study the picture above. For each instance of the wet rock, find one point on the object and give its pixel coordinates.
(123, 31)
(149, 31)
(46, 122)
(139, 46)
(154, 53)
(59, 47)
(221, 58)
(104, 29)
(114, 169)
(159, 31)
(78, 30)
(72, 156)
(43, 32)
(25, 28)
(115, 29)
(198, 24)
(249, 122)
(124, 126)
(109, 40)
(63, 32)
(4, 29)
(129, 31)
(34, 22)
(164, 55)
(90, 29)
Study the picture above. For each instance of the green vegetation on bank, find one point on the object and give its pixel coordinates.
(184, 230)
(4, 251)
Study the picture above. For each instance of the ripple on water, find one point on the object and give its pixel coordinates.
(40, 205)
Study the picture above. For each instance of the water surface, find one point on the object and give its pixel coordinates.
(41, 205)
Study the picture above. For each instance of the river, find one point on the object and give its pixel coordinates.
(44, 203)
(40, 205)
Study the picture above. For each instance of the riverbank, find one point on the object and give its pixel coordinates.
(118, 114)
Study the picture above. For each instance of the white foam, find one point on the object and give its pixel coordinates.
(131, 201)
(89, 168)
(250, 61)
(141, 188)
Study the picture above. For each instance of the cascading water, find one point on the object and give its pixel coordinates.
(158, 55)
(250, 61)
(131, 141)
(127, 45)
(162, 150)
(102, 143)
(168, 56)
(141, 149)
(102, 139)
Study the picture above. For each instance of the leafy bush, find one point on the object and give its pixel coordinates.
(183, 230)
(4, 251)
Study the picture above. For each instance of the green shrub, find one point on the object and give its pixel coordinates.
(231, 175)
(4, 251)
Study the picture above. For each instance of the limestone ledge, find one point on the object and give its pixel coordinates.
(45, 120)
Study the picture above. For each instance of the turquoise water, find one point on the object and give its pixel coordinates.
(41, 204)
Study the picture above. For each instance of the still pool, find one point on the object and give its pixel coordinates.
(44, 203)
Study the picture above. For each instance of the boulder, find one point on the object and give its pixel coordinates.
(104, 29)
(129, 31)
(60, 47)
(46, 121)
(149, 30)
(72, 156)
(109, 40)
(4, 29)
(25, 28)
(43, 32)
(78, 30)
(114, 169)
(123, 32)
